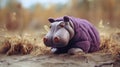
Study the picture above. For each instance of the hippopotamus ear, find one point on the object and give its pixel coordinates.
(51, 20)
(66, 19)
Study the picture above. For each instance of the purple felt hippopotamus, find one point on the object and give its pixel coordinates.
(72, 35)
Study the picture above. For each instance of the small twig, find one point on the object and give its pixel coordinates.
(100, 65)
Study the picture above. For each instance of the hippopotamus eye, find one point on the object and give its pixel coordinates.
(62, 24)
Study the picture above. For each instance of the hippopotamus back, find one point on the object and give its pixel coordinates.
(85, 36)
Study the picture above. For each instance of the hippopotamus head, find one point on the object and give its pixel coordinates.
(61, 32)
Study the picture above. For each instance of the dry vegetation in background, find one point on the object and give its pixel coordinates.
(92, 10)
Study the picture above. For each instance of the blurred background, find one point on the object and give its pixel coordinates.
(19, 14)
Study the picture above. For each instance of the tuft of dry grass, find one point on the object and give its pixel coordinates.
(15, 45)
(28, 43)
(111, 44)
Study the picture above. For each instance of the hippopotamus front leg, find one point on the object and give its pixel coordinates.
(59, 50)
(80, 47)
(74, 51)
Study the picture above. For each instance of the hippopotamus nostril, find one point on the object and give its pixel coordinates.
(45, 39)
(56, 39)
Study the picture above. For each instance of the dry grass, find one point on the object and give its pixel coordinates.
(32, 44)
(110, 44)
(16, 45)
(26, 44)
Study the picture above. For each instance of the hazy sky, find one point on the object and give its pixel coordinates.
(28, 3)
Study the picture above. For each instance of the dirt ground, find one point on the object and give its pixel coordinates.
(63, 60)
